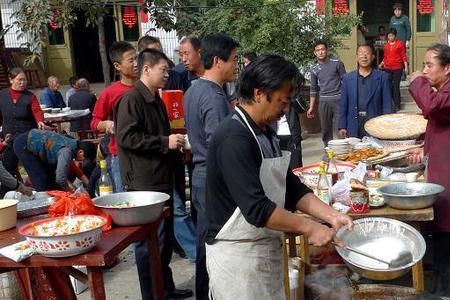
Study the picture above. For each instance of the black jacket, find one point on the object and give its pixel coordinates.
(82, 99)
(142, 135)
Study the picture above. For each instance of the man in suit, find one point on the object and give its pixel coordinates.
(366, 93)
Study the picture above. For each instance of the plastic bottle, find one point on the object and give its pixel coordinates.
(323, 186)
(105, 185)
(332, 168)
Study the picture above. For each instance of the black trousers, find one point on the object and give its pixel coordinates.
(396, 77)
(441, 263)
(166, 241)
(201, 273)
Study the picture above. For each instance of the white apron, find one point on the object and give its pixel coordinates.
(246, 262)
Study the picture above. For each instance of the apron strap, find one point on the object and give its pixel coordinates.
(238, 110)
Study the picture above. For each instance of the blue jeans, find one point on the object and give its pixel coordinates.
(201, 274)
(184, 228)
(115, 174)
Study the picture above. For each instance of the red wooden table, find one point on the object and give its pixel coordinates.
(104, 253)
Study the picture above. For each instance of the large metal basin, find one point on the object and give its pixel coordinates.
(414, 195)
(382, 237)
(145, 207)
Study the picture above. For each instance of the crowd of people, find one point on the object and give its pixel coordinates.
(245, 139)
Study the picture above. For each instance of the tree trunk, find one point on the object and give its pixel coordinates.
(102, 48)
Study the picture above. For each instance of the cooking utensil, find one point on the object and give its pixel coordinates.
(142, 207)
(386, 238)
(404, 257)
(63, 245)
(413, 195)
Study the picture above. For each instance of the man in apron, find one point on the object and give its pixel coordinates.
(251, 191)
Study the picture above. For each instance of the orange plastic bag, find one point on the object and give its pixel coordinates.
(75, 204)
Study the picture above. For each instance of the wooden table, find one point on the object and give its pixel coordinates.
(104, 253)
(413, 217)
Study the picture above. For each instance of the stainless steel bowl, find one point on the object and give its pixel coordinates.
(413, 195)
(144, 207)
(385, 238)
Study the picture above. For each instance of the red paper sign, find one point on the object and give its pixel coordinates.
(129, 16)
(173, 100)
(340, 7)
(320, 7)
(142, 12)
(425, 7)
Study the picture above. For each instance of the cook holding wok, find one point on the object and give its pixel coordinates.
(251, 193)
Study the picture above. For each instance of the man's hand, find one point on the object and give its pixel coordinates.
(381, 66)
(415, 156)
(320, 235)
(176, 141)
(406, 71)
(310, 112)
(109, 127)
(337, 220)
(25, 190)
(415, 75)
(343, 133)
(407, 44)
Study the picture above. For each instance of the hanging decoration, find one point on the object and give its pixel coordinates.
(143, 12)
(129, 16)
(425, 7)
(340, 7)
(320, 7)
(53, 24)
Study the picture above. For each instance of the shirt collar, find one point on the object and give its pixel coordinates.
(143, 89)
(258, 130)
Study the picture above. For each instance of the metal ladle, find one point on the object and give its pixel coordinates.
(403, 258)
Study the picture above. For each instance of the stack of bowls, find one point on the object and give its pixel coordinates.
(340, 146)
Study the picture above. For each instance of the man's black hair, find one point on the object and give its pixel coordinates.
(366, 46)
(117, 50)
(90, 150)
(393, 31)
(443, 53)
(73, 80)
(146, 40)
(320, 42)
(250, 55)
(149, 57)
(216, 44)
(268, 73)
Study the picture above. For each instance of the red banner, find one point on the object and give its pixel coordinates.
(425, 7)
(129, 17)
(340, 7)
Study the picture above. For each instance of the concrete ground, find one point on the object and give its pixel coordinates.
(121, 281)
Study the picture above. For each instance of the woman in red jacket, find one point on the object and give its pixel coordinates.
(395, 63)
(19, 112)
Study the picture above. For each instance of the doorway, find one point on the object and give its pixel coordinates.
(85, 46)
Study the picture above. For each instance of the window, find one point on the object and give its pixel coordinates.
(56, 35)
(130, 23)
(426, 21)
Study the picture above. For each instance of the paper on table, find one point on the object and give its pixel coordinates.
(18, 251)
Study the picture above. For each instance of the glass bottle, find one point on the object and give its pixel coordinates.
(323, 186)
(105, 185)
(332, 168)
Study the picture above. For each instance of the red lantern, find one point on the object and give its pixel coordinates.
(129, 16)
(142, 12)
(340, 8)
(425, 7)
(320, 7)
(53, 23)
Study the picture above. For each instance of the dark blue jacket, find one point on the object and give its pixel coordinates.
(379, 102)
(52, 99)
